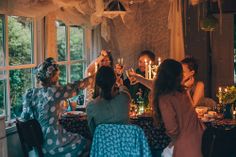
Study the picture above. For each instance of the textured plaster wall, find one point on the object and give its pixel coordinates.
(146, 27)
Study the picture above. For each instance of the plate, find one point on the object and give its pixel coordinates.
(74, 114)
(207, 120)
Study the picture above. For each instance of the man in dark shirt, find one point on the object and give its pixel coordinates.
(138, 90)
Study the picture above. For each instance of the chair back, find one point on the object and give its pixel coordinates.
(119, 141)
(31, 136)
(218, 142)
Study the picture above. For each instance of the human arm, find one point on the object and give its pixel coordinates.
(169, 117)
(198, 93)
(139, 78)
(70, 89)
(91, 67)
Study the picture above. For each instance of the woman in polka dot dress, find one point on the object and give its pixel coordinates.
(44, 104)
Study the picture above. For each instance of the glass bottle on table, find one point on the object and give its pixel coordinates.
(140, 103)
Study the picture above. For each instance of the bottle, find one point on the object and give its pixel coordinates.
(69, 108)
(140, 103)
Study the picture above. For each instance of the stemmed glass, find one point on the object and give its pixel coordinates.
(129, 74)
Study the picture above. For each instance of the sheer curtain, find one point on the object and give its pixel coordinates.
(176, 30)
(93, 48)
(96, 45)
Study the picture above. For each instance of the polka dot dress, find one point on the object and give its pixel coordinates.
(46, 104)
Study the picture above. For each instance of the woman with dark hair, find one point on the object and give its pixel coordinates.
(112, 103)
(105, 59)
(173, 108)
(194, 88)
(46, 105)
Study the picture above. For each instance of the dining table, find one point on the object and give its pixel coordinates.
(156, 135)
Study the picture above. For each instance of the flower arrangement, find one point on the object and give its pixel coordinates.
(227, 95)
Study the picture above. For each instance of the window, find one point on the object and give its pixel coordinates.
(70, 48)
(16, 63)
(2, 81)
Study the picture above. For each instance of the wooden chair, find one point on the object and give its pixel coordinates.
(31, 137)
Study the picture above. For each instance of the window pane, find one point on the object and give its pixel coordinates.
(76, 72)
(61, 41)
(76, 43)
(2, 96)
(20, 81)
(62, 78)
(2, 58)
(20, 40)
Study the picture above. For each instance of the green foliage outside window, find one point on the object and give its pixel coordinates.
(1, 72)
(20, 52)
(76, 47)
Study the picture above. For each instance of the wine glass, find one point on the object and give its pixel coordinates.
(132, 79)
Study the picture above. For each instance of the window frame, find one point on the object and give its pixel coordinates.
(6, 68)
(68, 62)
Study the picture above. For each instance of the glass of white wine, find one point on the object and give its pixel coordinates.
(132, 79)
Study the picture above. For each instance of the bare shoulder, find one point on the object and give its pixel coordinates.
(200, 84)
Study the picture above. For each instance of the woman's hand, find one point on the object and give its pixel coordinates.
(119, 81)
(132, 76)
(104, 53)
(188, 83)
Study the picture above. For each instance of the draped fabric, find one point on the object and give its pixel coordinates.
(119, 141)
(176, 30)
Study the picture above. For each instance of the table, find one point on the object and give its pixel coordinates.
(156, 136)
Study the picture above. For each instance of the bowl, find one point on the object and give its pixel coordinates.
(201, 110)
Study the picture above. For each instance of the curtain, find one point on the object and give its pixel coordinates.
(96, 45)
(176, 30)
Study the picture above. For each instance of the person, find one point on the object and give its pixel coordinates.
(195, 89)
(112, 103)
(138, 89)
(44, 104)
(173, 108)
(105, 59)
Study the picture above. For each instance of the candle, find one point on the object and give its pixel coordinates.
(118, 60)
(220, 90)
(150, 70)
(220, 95)
(146, 69)
(89, 74)
(159, 61)
(226, 90)
(234, 114)
(96, 67)
(121, 61)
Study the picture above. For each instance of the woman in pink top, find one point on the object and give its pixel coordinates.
(173, 108)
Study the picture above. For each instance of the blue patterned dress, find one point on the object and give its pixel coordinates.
(44, 103)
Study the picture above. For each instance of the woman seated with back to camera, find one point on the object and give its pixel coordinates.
(112, 103)
(105, 59)
(45, 104)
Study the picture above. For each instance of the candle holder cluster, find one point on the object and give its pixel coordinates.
(151, 69)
